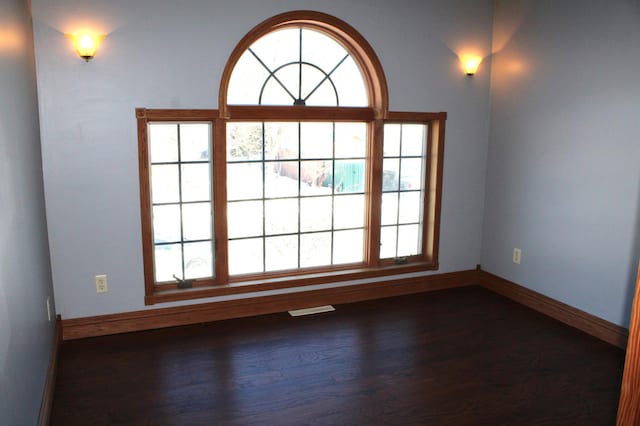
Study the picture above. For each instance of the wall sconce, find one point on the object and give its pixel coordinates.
(470, 64)
(86, 44)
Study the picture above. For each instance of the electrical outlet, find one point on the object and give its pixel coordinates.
(48, 309)
(517, 255)
(101, 284)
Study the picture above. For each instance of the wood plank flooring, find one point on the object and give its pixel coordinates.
(455, 357)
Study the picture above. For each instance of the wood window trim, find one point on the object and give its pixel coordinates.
(143, 117)
(435, 167)
(298, 113)
(222, 284)
(172, 294)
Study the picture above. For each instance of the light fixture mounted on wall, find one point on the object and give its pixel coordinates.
(86, 44)
(470, 64)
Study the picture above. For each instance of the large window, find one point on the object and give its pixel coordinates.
(301, 177)
(295, 195)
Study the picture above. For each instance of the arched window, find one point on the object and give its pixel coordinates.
(301, 177)
(304, 58)
(297, 66)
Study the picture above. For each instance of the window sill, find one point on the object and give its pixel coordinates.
(164, 295)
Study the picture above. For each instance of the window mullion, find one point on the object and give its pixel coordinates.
(297, 101)
(219, 185)
(263, 202)
(399, 193)
(333, 187)
(374, 192)
(299, 173)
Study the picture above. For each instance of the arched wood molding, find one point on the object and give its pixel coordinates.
(629, 407)
(343, 33)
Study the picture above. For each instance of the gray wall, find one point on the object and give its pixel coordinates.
(26, 336)
(163, 54)
(563, 179)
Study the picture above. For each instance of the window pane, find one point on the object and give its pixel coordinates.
(165, 184)
(196, 221)
(403, 179)
(244, 181)
(166, 224)
(390, 175)
(315, 249)
(244, 219)
(408, 240)
(316, 89)
(275, 93)
(244, 141)
(300, 196)
(281, 216)
(278, 47)
(348, 246)
(316, 140)
(195, 182)
(389, 214)
(350, 84)
(245, 256)
(281, 141)
(411, 173)
(323, 95)
(168, 262)
(331, 51)
(392, 140)
(388, 236)
(413, 139)
(315, 214)
(410, 207)
(348, 211)
(198, 260)
(315, 177)
(349, 176)
(351, 140)
(281, 179)
(163, 142)
(281, 253)
(174, 189)
(246, 81)
(194, 142)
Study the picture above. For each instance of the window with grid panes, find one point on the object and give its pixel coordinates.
(308, 175)
(297, 200)
(181, 200)
(403, 177)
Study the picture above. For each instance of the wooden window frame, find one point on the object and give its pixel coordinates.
(376, 115)
(360, 50)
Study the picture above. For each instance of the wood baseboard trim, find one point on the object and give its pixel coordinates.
(79, 328)
(590, 324)
(50, 381)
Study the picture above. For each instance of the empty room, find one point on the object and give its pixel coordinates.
(290, 212)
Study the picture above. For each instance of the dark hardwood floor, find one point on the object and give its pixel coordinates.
(455, 357)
